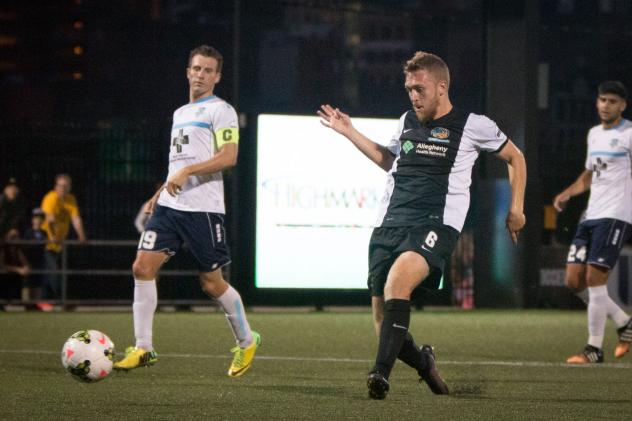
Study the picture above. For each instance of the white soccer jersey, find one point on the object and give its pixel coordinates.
(609, 159)
(432, 173)
(199, 128)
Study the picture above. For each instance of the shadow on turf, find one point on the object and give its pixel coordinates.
(468, 391)
(312, 391)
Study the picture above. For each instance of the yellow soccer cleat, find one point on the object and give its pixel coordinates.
(242, 360)
(136, 357)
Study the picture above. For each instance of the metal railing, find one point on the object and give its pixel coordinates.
(66, 271)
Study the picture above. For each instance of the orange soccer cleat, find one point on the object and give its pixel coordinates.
(625, 338)
(590, 355)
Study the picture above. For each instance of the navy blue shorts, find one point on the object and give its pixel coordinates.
(599, 242)
(202, 232)
(434, 241)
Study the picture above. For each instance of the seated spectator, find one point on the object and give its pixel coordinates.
(13, 261)
(35, 255)
(13, 209)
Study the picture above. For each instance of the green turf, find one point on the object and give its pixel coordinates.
(292, 380)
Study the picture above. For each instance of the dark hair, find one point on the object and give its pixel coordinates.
(613, 87)
(207, 51)
(429, 62)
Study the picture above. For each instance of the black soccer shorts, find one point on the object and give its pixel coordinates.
(434, 241)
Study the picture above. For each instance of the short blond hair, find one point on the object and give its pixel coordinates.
(431, 63)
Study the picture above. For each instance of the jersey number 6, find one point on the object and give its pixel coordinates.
(431, 239)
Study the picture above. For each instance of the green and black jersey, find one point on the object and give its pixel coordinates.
(432, 173)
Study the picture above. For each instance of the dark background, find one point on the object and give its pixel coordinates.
(88, 87)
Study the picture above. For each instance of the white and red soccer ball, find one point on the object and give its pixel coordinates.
(87, 355)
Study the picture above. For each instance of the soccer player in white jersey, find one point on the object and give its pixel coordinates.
(189, 209)
(606, 227)
(429, 163)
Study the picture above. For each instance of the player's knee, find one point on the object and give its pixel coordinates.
(400, 290)
(574, 283)
(142, 270)
(213, 286)
(596, 281)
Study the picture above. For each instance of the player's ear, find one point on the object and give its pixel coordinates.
(218, 77)
(443, 87)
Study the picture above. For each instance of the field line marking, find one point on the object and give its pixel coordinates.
(537, 364)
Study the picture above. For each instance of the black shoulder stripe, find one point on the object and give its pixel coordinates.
(500, 148)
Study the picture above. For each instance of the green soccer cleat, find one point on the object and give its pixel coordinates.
(136, 357)
(242, 360)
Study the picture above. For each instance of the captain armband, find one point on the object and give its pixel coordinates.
(227, 135)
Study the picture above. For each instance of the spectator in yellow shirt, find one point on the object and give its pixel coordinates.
(60, 208)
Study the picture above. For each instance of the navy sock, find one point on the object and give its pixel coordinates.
(392, 334)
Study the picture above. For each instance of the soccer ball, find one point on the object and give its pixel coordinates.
(87, 355)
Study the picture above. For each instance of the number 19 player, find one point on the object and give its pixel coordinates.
(189, 209)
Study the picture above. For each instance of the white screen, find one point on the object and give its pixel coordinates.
(317, 200)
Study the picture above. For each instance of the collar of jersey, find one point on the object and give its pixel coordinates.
(621, 123)
(206, 98)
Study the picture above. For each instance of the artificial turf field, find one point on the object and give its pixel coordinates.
(498, 364)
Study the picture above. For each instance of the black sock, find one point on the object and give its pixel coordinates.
(410, 354)
(392, 334)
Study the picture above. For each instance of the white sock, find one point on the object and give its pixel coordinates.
(145, 302)
(618, 316)
(583, 295)
(597, 314)
(233, 307)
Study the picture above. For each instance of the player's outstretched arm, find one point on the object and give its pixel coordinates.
(517, 168)
(341, 123)
(579, 186)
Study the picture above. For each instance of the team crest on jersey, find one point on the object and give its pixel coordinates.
(614, 143)
(200, 111)
(440, 133)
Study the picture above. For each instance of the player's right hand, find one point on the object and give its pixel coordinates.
(560, 201)
(334, 119)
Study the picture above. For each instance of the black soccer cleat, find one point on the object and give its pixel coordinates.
(430, 374)
(378, 385)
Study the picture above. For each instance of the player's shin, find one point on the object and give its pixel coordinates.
(597, 314)
(235, 313)
(392, 335)
(410, 353)
(145, 302)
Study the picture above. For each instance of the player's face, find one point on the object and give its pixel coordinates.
(202, 75)
(424, 92)
(610, 107)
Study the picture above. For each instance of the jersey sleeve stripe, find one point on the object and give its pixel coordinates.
(606, 153)
(192, 123)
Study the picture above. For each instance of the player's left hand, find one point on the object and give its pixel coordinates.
(176, 181)
(515, 222)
